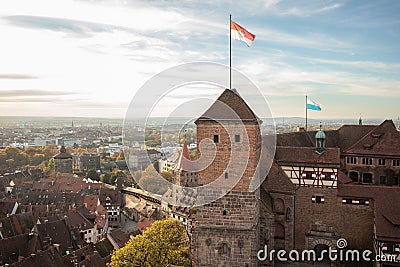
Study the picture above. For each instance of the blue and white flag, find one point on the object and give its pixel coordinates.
(313, 105)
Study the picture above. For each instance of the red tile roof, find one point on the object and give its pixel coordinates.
(229, 106)
(144, 223)
(307, 156)
(384, 139)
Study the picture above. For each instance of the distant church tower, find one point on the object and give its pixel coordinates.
(63, 161)
(226, 231)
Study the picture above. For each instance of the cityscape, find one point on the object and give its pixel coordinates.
(199, 133)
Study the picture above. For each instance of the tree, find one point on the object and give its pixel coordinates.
(92, 174)
(167, 175)
(164, 242)
(105, 178)
(151, 181)
(3, 160)
(11, 152)
(37, 159)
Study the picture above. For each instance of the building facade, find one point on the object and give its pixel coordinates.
(322, 187)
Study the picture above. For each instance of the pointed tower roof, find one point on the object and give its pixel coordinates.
(184, 158)
(63, 154)
(218, 111)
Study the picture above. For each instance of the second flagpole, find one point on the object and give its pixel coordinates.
(306, 113)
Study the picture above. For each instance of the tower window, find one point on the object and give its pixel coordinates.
(216, 138)
(237, 138)
(226, 175)
(224, 213)
(224, 249)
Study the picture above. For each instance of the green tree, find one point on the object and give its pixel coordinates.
(92, 174)
(37, 159)
(3, 160)
(10, 163)
(165, 242)
(11, 152)
(105, 178)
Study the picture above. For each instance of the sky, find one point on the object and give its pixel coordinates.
(88, 58)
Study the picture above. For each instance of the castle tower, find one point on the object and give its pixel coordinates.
(226, 231)
(184, 171)
(63, 161)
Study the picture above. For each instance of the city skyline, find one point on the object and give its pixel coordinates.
(81, 58)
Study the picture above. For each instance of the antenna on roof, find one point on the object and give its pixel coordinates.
(360, 120)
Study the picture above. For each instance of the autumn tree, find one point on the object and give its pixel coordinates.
(167, 175)
(93, 175)
(164, 242)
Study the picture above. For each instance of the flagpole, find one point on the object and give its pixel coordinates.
(230, 52)
(306, 112)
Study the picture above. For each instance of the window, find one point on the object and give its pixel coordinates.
(237, 138)
(224, 213)
(396, 162)
(367, 161)
(355, 201)
(318, 199)
(352, 160)
(390, 248)
(367, 178)
(216, 138)
(226, 175)
(353, 176)
(382, 180)
(224, 249)
(382, 162)
(329, 176)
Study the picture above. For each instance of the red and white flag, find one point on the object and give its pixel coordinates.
(240, 33)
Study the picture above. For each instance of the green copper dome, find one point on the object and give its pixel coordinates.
(320, 135)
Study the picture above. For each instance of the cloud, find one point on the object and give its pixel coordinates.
(59, 24)
(15, 76)
(311, 40)
(32, 93)
(282, 79)
(307, 10)
(359, 64)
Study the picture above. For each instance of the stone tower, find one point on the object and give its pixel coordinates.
(226, 231)
(184, 174)
(63, 161)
